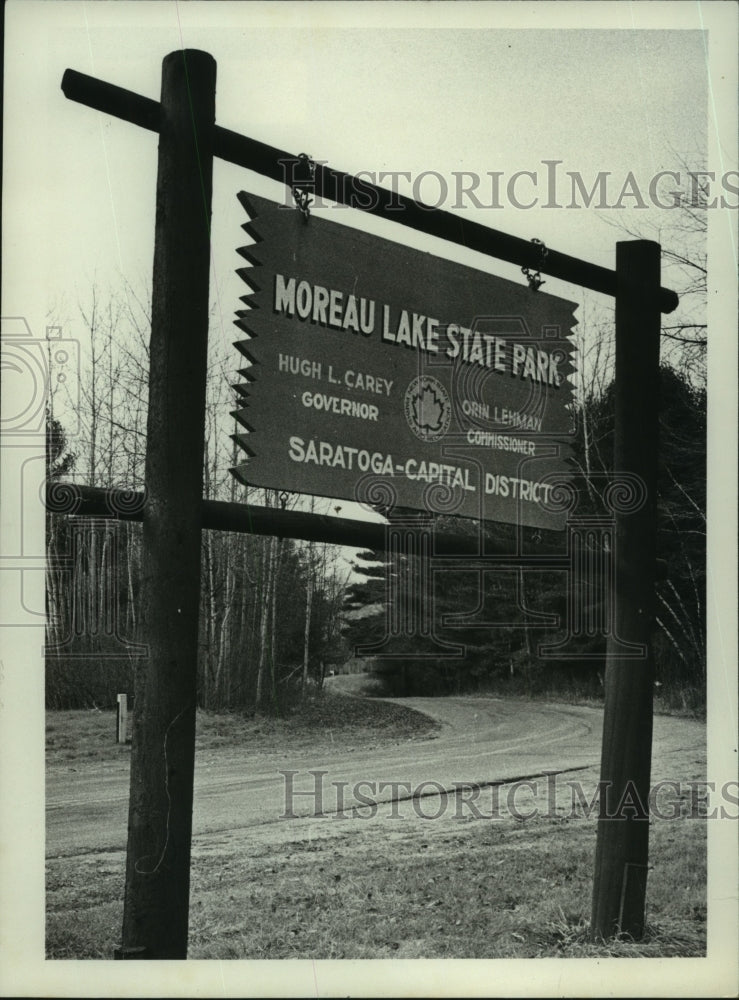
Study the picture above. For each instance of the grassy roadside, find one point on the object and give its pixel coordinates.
(445, 890)
(406, 887)
(328, 721)
(403, 888)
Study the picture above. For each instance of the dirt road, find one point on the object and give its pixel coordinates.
(480, 741)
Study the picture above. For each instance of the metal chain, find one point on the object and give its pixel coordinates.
(303, 184)
(534, 278)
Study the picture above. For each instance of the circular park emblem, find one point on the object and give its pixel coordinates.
(428, 409)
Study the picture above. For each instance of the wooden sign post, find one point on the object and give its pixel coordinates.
(163, 741)
(620, 879)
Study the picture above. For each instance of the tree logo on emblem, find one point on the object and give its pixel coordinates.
(428, 409)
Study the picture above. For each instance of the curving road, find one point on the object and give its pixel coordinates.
(481, 741)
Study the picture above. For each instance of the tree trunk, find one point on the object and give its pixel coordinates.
(308, 609)
(279, 550)
(223, 639)
(267, 586)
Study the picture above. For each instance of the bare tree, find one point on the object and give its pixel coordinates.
(681, 229)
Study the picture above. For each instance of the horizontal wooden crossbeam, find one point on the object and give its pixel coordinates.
(345, 189)
(218, 515)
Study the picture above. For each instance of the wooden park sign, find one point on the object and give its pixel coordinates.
(382, 373)
(428, 403)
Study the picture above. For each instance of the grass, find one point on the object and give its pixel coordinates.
(483, 892)
(397, 889)
(85, 734)
(322, 721)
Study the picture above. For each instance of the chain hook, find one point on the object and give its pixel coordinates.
(303, 183)
(534, 278)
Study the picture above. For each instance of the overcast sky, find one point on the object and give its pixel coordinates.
(408, 87)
